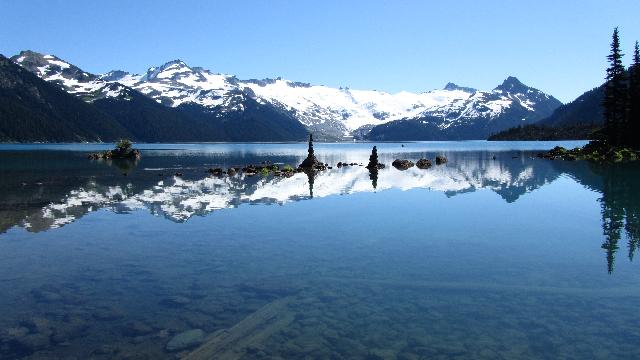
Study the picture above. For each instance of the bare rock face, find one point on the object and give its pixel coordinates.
(402, 164)
(441, 159)
(423, 164)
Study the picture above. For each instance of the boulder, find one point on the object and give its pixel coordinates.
(215, 171)
(402, 164)
(176, 301)
(186, 340)
(108, 313)
(441, 159)
(136, 328)
(33, 342)
(423, 164)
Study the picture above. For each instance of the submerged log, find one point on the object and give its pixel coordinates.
(232, 343)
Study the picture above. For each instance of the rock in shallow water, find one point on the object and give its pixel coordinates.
(136, 328)
(108, 313)
(441, 159)
(186, 340)
(402, 164)
(33, 342)
(423, 164)
(176, 301)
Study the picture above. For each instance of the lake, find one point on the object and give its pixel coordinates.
(496, 254)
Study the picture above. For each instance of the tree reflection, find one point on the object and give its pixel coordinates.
(125, 166)
(620, 207)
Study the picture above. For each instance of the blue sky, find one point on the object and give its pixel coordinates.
(557, 46)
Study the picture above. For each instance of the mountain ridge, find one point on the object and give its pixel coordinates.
(330, 113)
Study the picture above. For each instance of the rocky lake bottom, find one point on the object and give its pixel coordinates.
(495, 254)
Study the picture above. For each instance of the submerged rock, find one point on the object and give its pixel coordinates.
(136, 328)
(33, 342)
(105, 350)
(176, 301)
(402, 164)
(46, 296)
(186, 340)
(108, 313)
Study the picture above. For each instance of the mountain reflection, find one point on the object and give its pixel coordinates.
(38, 205)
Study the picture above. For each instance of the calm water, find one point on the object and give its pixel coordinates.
(482, 258)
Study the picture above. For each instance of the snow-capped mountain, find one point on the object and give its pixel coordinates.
(69, 77)
(476, 116)
(332, 112)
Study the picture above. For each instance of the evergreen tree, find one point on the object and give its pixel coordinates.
(615, 93)
(633, 119)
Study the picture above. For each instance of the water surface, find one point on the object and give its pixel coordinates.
(480, 258)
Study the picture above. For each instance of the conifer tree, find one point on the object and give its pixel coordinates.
(633, 120)
(615, 94)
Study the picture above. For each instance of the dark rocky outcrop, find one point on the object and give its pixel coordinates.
(124, 151)
(423, 164)
(441, 159)
(216, 171)
(402, 164)
(596, 151)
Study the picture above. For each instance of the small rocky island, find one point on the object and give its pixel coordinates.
(596, 151)
(124, 150)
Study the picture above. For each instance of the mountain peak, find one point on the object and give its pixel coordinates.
(512, 84)
(452, 87)
(29, 56)
(168, 70)
(50, 66)
(114, 75)
(174, 62)
(30, 53)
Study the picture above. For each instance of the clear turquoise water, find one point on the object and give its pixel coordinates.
(481, 258)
